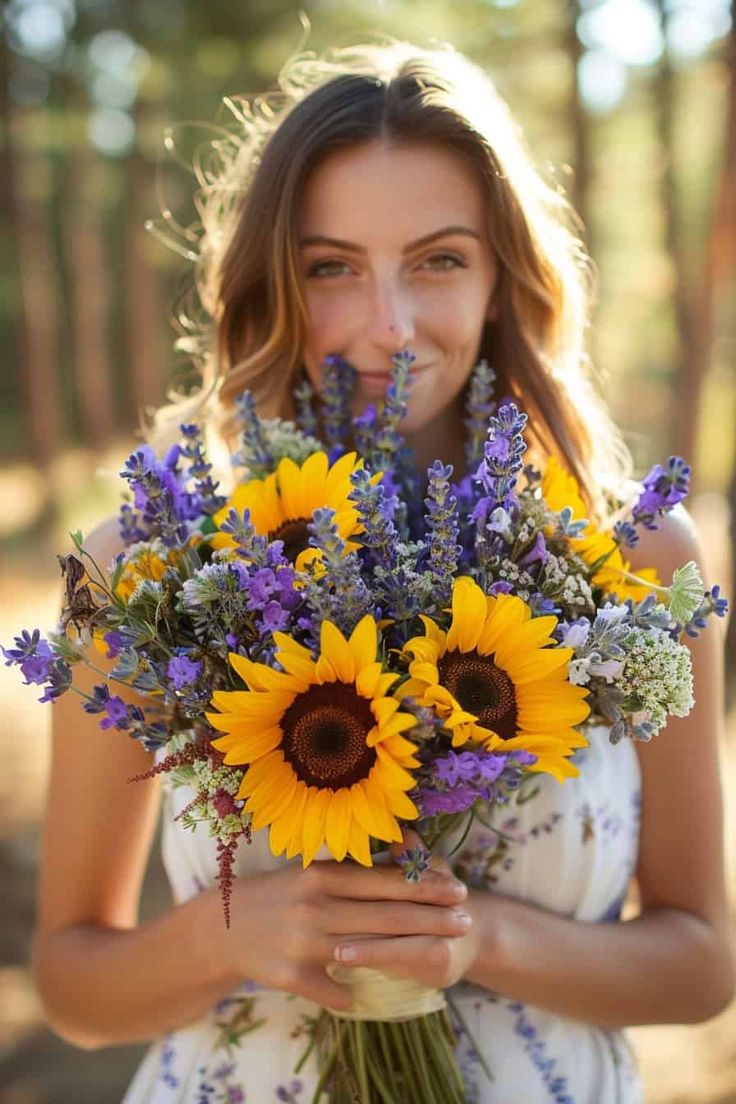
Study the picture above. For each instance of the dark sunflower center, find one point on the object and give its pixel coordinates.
(481, 688)
(294, 534)
(325, 731)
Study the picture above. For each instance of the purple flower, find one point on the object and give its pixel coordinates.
(537, 553)
(183, 671)
(663, 489)
(115, 643)
(275, 617)
(456, 800)
(117, 713)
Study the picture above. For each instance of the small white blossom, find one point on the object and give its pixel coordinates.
(580, 671)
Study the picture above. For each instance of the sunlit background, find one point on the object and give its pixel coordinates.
(630, 105)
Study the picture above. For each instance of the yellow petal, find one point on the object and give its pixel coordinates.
(363, 643)
(337, 823)
(256, 772)
(259, 677)
(283, 826)
(290, 488)
(388, 772)
(401, 806)
(358, 844)
(508, 612)
(468, 615)
(337, 650)
(537, 665)
(313, 826)
(246, 749)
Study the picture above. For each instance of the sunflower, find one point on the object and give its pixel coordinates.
(327, 761)
(560, 489)
(492, 679)
(282, 504)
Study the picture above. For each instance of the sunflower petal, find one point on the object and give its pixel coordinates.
(335, 647)
(468, 615)
(364, 643)
(337, 823)
(283, 825)
(359, 844)
(313, 827)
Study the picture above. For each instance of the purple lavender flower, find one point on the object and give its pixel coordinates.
(479, 408)
(254, 453)
(415, 860)
(116, 713)
(536, 554)
(442, 528)
(306, 419)
(502, 461)
(338, 384)
(184, 671)
(38, 664)
(160, 496)
(663, 489)
(115, 643)
(199, 469)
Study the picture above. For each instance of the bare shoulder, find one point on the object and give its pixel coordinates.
(675, 541)
(104, 542)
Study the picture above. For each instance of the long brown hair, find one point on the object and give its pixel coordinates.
(247, 272)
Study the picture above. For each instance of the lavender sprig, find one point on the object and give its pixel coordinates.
(479, 407)
(443, 527)
(340, 594)
(338, 384)
(254, 453)
(306, 416)
(164, 504)
(199, 469)
(663, 489)
(497, 476)
(376, 515)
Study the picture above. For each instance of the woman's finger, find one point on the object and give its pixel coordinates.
(382, 881)
(395, 918)
(406, 956)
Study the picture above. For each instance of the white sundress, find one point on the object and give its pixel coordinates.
(574, 850)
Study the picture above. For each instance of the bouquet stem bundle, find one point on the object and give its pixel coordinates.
(409, 1061)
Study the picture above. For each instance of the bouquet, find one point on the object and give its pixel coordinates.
(340, 649)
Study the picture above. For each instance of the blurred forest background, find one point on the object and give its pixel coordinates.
(629, 104)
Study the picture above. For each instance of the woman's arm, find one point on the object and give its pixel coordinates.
(672, 963)
(103, 978)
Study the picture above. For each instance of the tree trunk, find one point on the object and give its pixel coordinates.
(692, 362)
(144, 308)
(30, 190)
(579, 123)
(90, 293)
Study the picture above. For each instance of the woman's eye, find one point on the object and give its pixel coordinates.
(440, 260)
(319, 268)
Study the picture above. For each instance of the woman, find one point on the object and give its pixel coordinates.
(390, 204)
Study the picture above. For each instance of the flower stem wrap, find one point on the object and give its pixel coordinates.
(380, 997)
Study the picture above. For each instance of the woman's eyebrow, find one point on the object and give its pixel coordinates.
(351, 247)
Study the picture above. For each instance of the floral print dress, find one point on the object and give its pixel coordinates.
(571, 848)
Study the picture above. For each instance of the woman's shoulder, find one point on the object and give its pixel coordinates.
(104, 541)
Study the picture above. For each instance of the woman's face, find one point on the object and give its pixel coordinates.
(395, 253)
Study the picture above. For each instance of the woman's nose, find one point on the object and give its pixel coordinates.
(393, 322)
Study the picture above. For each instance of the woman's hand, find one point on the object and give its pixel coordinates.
(436, 960)
(287, 924)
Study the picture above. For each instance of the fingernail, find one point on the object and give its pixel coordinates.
(345, 954)
(461, 917)
(459, 890)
